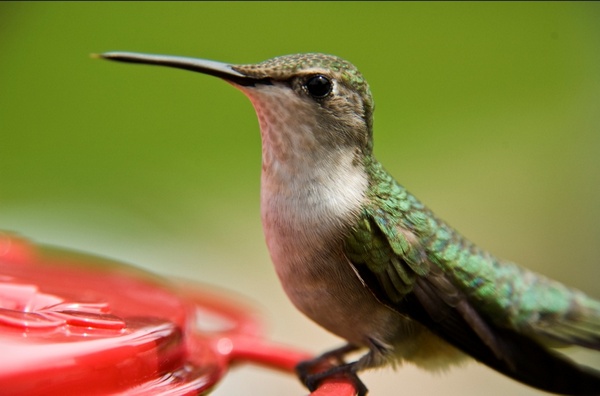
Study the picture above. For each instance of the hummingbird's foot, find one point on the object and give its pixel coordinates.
(324, 361)
(347, 371)
(312, 372)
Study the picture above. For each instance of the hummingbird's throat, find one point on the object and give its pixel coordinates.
(302, 179)
(287, 127)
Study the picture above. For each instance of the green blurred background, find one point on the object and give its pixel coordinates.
(488, 112)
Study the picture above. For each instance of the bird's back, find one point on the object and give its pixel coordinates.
(509, 295)
(499, 313)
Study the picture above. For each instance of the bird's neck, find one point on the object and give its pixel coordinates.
(320, 193)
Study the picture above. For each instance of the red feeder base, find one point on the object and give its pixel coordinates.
(73, 324)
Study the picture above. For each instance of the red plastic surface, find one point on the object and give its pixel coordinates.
(74, 324)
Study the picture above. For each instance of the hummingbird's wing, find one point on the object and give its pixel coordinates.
(394, 248)
(400, 275)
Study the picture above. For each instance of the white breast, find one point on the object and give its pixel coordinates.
(303, 209)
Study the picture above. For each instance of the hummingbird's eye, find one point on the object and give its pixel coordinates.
(318, 86)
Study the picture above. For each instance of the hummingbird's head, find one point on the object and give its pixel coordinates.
(310, 105)
(323, 93)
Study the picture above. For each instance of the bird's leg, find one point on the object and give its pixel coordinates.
(379, 354)
(336, 356)
(309, 375)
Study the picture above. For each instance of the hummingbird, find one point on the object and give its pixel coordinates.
(363, 258)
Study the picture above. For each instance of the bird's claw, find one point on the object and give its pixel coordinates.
(313, 380)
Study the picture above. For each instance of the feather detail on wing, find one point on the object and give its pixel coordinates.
(579, 324)
(393, 265)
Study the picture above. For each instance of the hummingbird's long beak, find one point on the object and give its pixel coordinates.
(213, 68)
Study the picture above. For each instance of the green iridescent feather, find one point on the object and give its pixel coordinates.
(399, 240)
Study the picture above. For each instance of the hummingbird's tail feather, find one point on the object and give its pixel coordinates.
(537, 366)
(505, 350)
(579, 326)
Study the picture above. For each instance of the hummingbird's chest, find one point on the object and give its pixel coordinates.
(306, 210)
(305, 224)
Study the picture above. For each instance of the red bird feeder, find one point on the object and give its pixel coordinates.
(73, 324)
